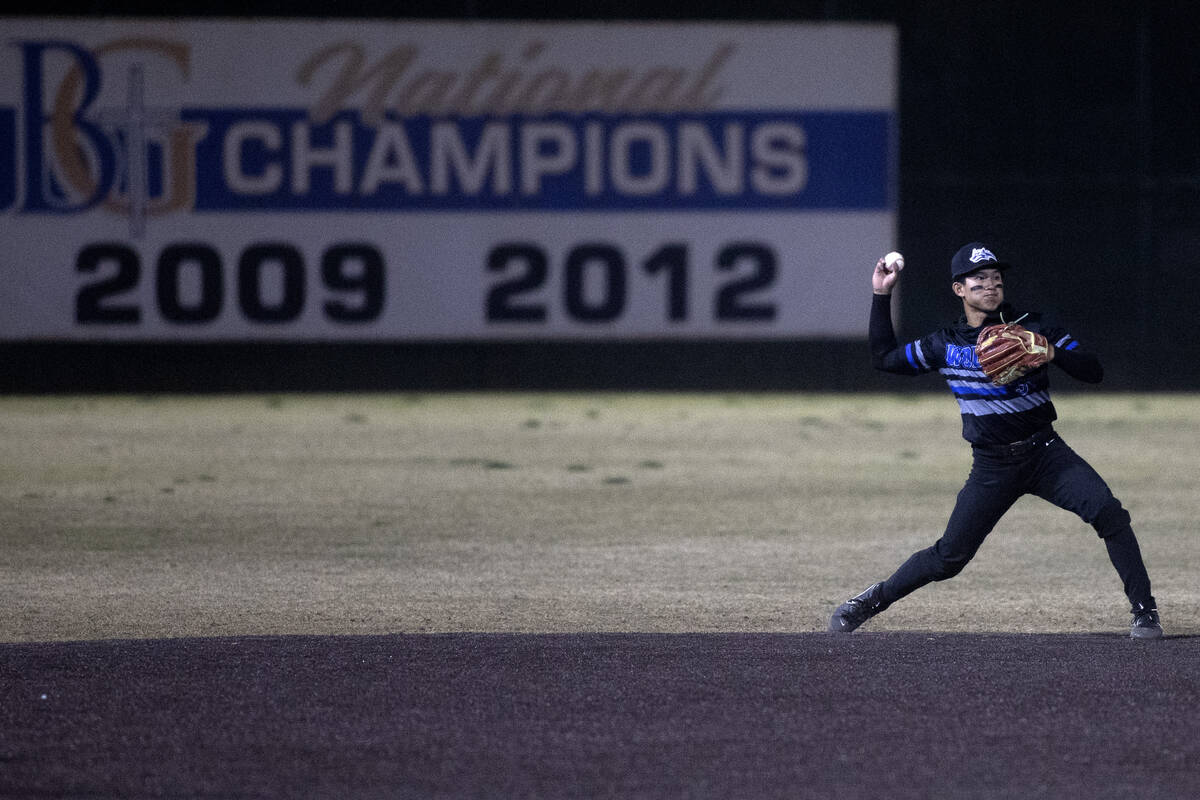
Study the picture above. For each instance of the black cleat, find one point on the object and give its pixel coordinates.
(1145, 623)
(857, 610)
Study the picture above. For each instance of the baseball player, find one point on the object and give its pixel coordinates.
(1016, 451)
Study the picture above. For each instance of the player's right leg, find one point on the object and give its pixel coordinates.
(857, 610)
(990, 490)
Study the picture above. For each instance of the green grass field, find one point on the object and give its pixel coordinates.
(343, 514)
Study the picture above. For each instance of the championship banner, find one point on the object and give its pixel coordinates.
(168, 180)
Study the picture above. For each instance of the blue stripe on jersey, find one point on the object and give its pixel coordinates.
(968, 387)
(916, 356)
(1063, 341)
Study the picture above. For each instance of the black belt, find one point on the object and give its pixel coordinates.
(1044, 436)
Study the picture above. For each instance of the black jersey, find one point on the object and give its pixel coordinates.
(991, 414)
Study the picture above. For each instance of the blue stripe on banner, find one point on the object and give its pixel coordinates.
(258, 159)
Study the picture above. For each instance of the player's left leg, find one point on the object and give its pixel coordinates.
(1065, 479)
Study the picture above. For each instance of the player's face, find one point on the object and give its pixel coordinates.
(982, 290)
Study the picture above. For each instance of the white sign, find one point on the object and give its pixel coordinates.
(373, 180)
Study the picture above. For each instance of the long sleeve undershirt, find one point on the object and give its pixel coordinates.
(1079, 364)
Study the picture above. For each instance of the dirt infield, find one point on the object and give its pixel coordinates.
(903, 715)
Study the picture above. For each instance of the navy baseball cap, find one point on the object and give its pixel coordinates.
(973, 256)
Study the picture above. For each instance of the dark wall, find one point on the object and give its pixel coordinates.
(1068, 138)
(1066, 135)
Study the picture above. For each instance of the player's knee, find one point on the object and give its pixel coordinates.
(1112, 519)
(946, 566)
(950, 569)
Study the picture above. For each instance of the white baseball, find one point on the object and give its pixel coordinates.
(893, 261)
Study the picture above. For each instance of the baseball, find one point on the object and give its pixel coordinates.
(893, 261)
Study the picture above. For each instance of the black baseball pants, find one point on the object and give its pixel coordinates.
(1049, 469)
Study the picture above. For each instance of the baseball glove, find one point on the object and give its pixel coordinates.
(1008, 351)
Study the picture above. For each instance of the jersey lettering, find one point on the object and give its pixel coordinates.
(961, 356)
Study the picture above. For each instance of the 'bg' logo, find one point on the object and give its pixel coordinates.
(136, 161)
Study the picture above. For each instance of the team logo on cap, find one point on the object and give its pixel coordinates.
(981, 254)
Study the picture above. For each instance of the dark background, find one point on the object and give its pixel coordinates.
(1065, 135)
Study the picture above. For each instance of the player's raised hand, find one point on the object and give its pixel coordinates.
(887, 272)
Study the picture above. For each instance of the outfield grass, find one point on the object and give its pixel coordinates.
(180, 516)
